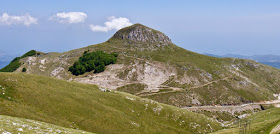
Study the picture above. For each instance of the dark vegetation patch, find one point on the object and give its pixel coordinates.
(178, 98)
(24, 69)
(15, 64)
(132, 88)
(165, 90)
(93, 61)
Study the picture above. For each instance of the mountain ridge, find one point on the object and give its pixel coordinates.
(271, 60)
(258, 58)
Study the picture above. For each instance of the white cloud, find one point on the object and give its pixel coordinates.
(27, 20)
(113, 23)
(70, 17)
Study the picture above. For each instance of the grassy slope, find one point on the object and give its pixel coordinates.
(261, 122)
(20, 125)
(84, 106)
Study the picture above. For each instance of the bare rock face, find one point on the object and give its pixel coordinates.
(144, 35)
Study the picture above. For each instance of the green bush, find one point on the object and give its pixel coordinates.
(30, 53)
(85, 52)
(24, 69)
(15, 64)
(93, 61)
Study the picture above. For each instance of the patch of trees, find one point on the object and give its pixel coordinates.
(30, 53)
(93, 61)
(15, 64)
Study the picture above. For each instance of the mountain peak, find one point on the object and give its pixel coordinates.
(139, 33)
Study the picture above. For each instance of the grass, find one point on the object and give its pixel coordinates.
(219, 115)
(132, 88)
(261, 122)
(84, 106)
(10, 125)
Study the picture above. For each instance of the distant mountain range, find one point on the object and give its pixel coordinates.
(4, 63)
(271, 60)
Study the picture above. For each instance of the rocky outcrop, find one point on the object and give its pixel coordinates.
(142, 34)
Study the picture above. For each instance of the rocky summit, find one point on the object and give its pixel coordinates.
(142, 35)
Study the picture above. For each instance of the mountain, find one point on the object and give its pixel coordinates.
(149, 65)
(258, 58)
(271, 60)
(85, 107)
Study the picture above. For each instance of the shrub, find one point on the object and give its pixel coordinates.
(30, 53)
(24, 69)
(93, 61)
(85, 52)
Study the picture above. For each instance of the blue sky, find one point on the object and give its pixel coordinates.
(245, 27)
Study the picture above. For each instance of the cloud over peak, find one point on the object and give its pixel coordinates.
(69, 17)
(113, 23)
(26, 19)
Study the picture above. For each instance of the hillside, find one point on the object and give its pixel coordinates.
(265, 122)
(9, 125)
(88, 108)
(149, 65)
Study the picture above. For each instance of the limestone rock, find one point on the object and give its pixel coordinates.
(143, 35)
